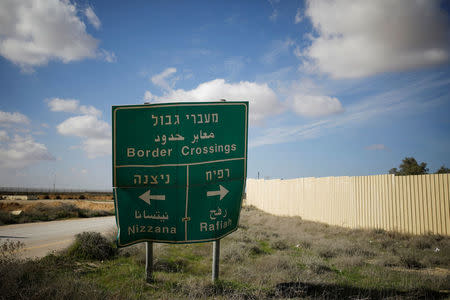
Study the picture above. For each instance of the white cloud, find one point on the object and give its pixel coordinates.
(233, 65)
(34, 32)
(277, 78)
(3, 136)
(361, 38)
(97, 147)
(92, 17)
(298, 16)
(307, 99)
(72, 106)
(285, 134)
(277, 49)
(263, 100)
(21, 152)
(90, 110)
(7, 119)
(95, 134)
(376, 147)
(404, 99)
(148, 96)
(65, 105)
(315, 105)
(45, 125)
(273, 17)
(161, 79)
(107, 56)
(85, 126)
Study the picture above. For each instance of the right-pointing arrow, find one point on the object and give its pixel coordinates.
(222, 192)
(146, 197)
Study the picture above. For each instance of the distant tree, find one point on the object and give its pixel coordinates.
(409, 166)
(443, 170)
(393, 171)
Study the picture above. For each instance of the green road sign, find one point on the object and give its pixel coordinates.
(179, 170)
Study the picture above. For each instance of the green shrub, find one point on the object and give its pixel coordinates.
(86, 213)
(379, 231)
(358, 250)
(411, 261)
(93, 246)
(327, 253)
(279, 245)
(304, 245)
(260, 248)
(235, 252)
(424, 242)
(7, 218)
(319, 268)
(82, 197)
(171, 265)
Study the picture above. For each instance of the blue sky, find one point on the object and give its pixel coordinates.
(336, 88)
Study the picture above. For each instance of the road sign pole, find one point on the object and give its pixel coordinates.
(215, 261)
(149, 262)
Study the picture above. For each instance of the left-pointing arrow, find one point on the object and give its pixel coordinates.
(146, 197)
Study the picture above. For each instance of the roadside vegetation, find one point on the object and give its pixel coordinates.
(268, 257)
(73, 196)
(15, 212)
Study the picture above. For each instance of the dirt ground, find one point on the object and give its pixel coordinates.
(25, 205)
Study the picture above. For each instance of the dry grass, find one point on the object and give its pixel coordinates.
(49, 210)
(281, 257)
(294, 250)
(81, 196)
(52, 277)
(9, 205)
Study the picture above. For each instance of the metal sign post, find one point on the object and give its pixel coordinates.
(149, 262)
(215, 260)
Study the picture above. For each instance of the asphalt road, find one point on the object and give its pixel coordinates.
(44, 237)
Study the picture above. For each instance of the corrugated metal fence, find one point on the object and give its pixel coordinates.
(416, 204)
